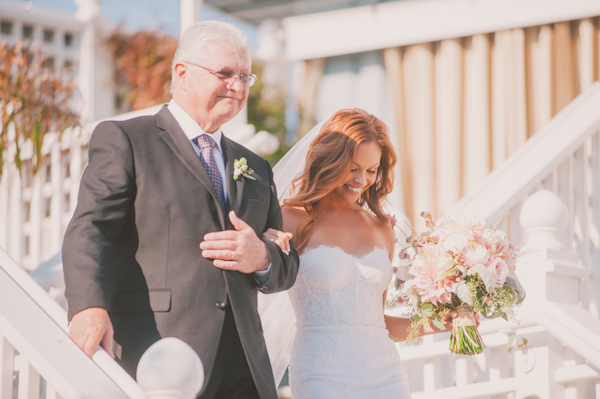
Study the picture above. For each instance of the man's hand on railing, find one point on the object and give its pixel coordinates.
(89, 328)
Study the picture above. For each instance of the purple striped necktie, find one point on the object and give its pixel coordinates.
(206, 144)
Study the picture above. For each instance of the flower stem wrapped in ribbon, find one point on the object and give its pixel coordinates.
(458, 264)
(465, 338)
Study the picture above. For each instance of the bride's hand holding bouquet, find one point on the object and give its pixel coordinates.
(461, 267)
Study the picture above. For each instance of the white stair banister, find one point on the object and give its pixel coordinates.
(170, 369)
(553, 277)
(35, 326)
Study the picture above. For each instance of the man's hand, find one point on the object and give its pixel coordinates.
(89, 328)
(238, 249)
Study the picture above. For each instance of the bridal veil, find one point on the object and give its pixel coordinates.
(276, 312)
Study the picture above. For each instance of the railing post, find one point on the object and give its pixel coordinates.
(170, 369)
(551, 270)
(551, 273)
(7, 361)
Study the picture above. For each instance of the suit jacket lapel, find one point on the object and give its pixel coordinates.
(235, 188)
(176, 139)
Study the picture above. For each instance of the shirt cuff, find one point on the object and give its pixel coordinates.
(261, 276)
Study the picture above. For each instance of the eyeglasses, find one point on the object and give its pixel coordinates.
(226, 75)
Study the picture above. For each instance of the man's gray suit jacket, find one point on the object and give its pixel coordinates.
(132, 247)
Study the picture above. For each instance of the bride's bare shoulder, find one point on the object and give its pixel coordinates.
(292, 217)
(294, 211)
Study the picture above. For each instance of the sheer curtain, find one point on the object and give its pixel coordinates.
(462, 105)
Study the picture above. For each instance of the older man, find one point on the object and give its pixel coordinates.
(165, 238)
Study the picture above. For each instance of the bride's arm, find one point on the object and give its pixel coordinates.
(290, 223)
(398, 326)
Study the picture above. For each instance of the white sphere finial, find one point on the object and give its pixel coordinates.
(544, 216)
(170, 369)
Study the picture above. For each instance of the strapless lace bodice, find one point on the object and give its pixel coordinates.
(342, 349)
(335, 288)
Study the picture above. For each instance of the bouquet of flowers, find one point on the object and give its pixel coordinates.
(461, 265)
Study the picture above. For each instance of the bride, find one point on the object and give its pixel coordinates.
(343, 346)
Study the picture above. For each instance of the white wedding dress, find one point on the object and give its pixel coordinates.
(342, 348)
(329, 326)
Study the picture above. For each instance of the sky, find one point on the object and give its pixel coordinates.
(134, 15)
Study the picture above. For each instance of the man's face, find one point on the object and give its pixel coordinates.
(209, 100)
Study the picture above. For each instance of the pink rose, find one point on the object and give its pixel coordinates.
(499, 271)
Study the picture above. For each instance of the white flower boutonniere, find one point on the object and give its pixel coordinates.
(240, 168)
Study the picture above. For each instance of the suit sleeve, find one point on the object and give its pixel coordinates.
(284, 268)
(106, 195)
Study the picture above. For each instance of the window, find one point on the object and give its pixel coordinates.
(48, 63)
(27, 211)
(47, 207)
(27, 31)
(68, 39)
(48, 172)
(68, 168)
(6, 27)
(67, 199)
(27, 245)
(48, 35)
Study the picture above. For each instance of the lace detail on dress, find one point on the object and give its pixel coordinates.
(342, 349)
(334, 287)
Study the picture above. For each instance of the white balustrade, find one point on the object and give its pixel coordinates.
(562, 357)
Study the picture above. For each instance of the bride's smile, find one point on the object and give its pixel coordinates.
(363, 172)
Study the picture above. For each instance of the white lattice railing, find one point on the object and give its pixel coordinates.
(560, 314)
(36, 209)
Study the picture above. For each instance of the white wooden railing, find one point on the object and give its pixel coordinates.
(546, 196)
(38, 360)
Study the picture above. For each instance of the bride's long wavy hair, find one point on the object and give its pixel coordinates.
(329, 160)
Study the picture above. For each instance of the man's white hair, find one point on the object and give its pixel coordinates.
(196, 39)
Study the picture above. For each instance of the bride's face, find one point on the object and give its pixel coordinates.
(363, 172)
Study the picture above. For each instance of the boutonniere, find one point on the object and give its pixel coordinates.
(240, 168)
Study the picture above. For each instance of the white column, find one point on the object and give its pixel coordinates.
(56, 204)
(87, 11)
(190, 12)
